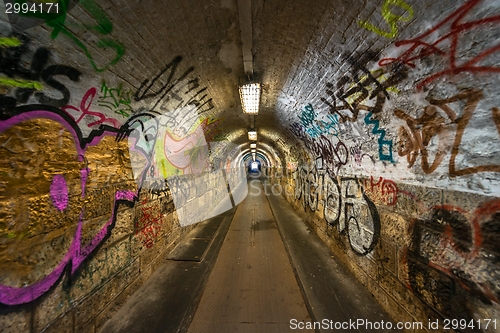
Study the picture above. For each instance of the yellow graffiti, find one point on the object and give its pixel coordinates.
(390, 18)
(20, 83)
(9, 42)
(381, 78)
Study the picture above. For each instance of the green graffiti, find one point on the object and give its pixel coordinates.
(53, 20)
(102, 43)
(57, 21)
(104, 27)
(9, 42)
(116, 99)
(390, 18)
(20, 83)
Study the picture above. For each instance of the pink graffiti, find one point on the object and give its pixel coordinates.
(75, 256)
(358, 155)
(77, 253)
(188, 154)
(84, 173)
(84, 110)
(59, 192)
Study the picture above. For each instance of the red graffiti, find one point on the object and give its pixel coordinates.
(446, 45)
(149, 223)
(384, 190)
(84, 110)
(458, 243)
(211, 128)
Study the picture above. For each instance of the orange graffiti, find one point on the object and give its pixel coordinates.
(417, 133)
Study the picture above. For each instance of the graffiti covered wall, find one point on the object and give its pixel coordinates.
(92, 193)
(387, 126)
(397, 167)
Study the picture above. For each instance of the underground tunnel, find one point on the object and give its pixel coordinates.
(140, 139)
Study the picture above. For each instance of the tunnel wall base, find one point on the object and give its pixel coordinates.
(131, 248)
(422, 261)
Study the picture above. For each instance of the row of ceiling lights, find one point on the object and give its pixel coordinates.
(250, 101)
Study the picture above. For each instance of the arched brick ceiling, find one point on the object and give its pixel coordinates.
(299, 50)
(206, 34)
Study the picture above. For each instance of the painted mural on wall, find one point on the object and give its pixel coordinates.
(419, 109)
(423, 111)
(57, 150)
(32, 181)
(22, 15)
(64, 143)
(451, 257)
(172, 137)
(61, 154)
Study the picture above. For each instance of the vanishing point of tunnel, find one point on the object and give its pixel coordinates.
(249, 166)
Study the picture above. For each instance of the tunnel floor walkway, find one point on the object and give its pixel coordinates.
(256, 268)
(252, 287)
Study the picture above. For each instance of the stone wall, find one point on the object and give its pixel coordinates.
(384, 115)
(91, 194)
(421, 260)
(397, 157)
(78, 237)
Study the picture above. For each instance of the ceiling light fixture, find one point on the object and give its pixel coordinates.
(250, 97)
(252, 135)
(253, 145)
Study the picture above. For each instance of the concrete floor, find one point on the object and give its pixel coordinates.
(252, 287)
(252, 269)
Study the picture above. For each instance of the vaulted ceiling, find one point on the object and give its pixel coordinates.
(174, 57)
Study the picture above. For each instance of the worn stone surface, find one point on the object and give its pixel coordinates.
(54, 308)
(388, 148)
(19, 320)
(63, 324)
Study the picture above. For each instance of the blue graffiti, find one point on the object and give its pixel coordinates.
(315, 127)
(307, 116)
(381, 140)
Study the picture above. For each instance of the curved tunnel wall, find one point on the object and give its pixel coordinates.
(83, 100)
(389, 145)
(399, 153)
